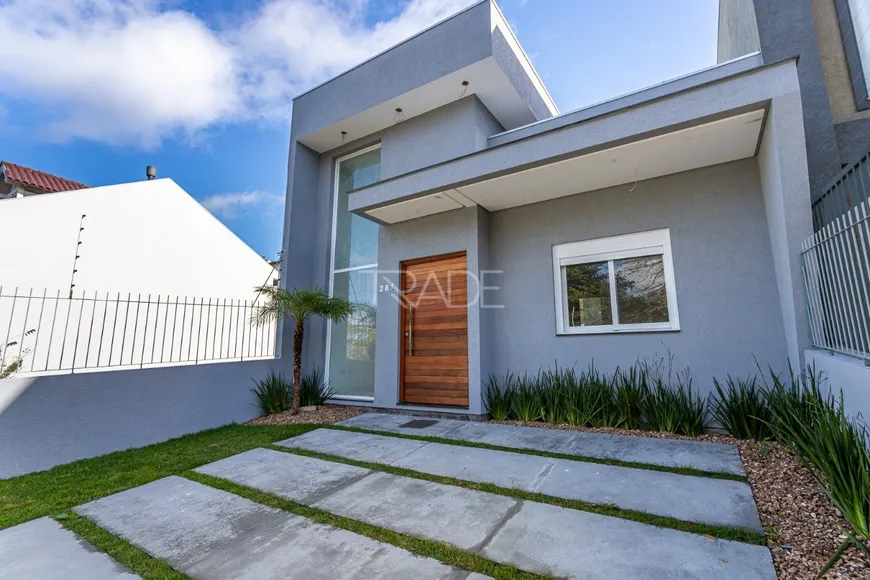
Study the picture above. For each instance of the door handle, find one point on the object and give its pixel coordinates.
(410, 333)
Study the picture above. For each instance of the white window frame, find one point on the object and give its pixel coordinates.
(333, 271)
(606, 250)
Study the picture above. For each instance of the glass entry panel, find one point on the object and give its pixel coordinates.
(351, 344)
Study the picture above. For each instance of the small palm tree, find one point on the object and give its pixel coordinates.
(300, 305)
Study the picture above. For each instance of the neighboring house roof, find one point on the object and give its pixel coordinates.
(31, 178)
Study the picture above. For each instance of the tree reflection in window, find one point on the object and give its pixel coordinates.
(588, 288)
(641, 296)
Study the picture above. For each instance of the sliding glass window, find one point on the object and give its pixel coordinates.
(351, 344)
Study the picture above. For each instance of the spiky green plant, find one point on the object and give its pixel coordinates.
(498, 396)
(741, 408)
(526, 404)
(300, 305)
(631, 388)
(315, 389)
(675, 408)
(274, 393)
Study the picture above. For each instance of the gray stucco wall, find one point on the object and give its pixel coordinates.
(738, 31)
(454, 44)
(458, 128)
(785, 191)
(50, 420)
(786, 29)
(726, 289)
(445, 133)
(510, 64)
(444, 233)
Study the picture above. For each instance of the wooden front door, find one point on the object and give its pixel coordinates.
(434, 361)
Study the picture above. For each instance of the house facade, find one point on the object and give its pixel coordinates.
(483, 231)
(829, 40)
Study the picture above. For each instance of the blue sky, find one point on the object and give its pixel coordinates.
(95, 90)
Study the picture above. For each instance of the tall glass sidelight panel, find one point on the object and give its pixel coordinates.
(351, 344)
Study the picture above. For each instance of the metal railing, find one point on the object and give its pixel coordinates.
(836, 267)
(847, 190)
(45, 332)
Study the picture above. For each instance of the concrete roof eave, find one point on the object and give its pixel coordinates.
(690, 106)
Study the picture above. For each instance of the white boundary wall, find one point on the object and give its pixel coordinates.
(846, 373)
(50, 420)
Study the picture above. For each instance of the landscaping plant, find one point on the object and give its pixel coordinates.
(631, 388)
(815, 425)
(675, 408)
(526, 399)
(499, 397)
(741, 408)
(315, 390)
(273, 394)
(301, 305)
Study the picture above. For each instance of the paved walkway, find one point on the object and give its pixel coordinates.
(46, 550)
(531, 536)
(208, 533)
(701, 455)
(689, 498)
(212, 534)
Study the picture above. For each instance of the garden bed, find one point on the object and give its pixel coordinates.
(323, 414)
(803, 527)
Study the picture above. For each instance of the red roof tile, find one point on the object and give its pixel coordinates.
(38, 179)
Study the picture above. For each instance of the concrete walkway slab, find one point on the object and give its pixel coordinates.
(44, 550)
(211, 534)
(559, 542)
(689, 498)
(301, 479)
(701, 455)
(423, 509)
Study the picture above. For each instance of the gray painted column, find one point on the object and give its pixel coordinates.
(782, 162)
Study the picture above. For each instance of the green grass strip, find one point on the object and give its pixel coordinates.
(119, 549)
(49, 492)
(441, 551)
(723, 532)
(585, 458)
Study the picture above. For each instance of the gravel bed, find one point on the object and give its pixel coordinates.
(803, 527)
(324, 414)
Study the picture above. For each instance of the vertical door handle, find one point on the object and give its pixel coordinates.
(410, 331)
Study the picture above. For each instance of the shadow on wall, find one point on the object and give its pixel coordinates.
(50, 420)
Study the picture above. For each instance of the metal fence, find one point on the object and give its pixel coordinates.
(847, 190)
(46, 332)
(836, 267)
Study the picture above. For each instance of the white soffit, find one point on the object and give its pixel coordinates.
(700, 146)
(486, 80)
(416, 208)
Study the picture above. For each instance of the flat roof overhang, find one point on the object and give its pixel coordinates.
(714, 123)
(426, 71)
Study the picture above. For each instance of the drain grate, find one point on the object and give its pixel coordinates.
(419, 423)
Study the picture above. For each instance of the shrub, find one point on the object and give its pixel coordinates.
(499, 397)
(675, 408)
(590, 401)
(526, 399)
(274, 394)
(631, 389)
(741, 408)
(314, 389)
(796, 406)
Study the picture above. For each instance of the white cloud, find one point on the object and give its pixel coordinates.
(136, 71)
(230, 206)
